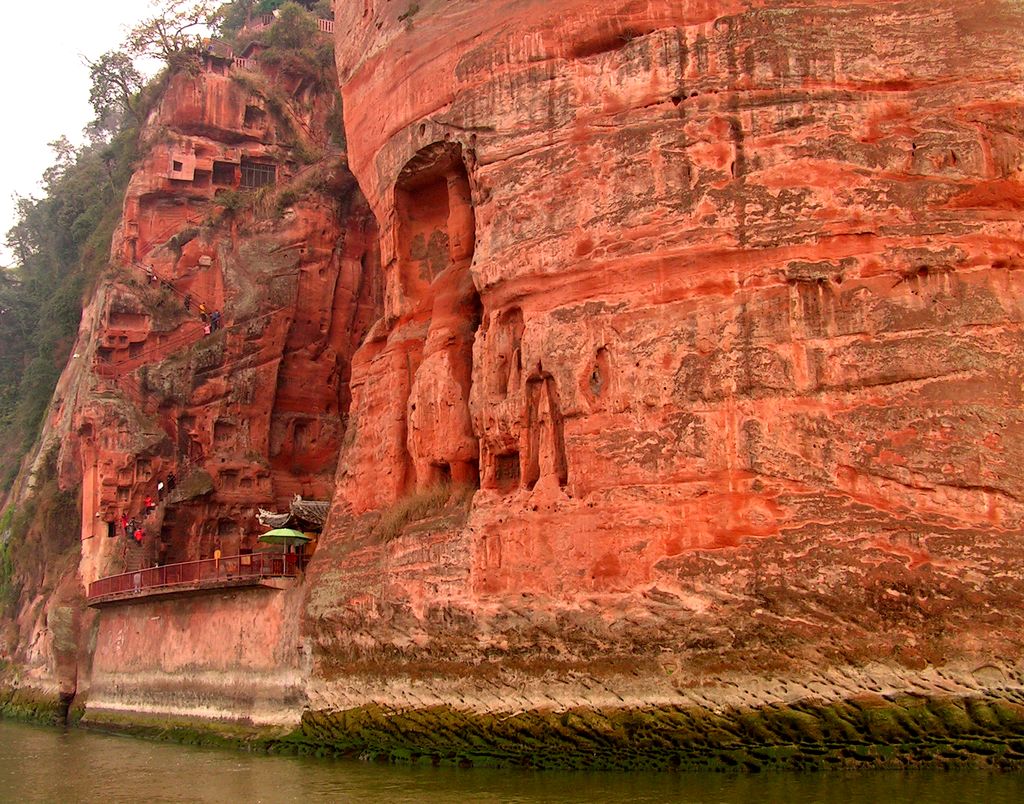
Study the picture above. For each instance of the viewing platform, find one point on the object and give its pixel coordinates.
(227, 572)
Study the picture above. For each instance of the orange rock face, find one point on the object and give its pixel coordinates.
(725, 300)
(254, 412)
(668, 355)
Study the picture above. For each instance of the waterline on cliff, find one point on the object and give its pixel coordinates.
(48, 764)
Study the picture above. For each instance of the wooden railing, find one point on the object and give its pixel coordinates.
(207, 573)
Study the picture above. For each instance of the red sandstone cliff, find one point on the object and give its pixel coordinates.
(725, 300)
(242, 203)
(694, 377)
(258, 406)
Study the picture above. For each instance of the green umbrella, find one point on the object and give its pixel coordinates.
(285, 536)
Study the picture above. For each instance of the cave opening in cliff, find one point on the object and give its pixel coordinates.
(224, 173)
(301, 435)
(507, 472)
(507, 338)
(436, 232)
(599, 372)
(434, 208)
(255, 117)
(223, 432)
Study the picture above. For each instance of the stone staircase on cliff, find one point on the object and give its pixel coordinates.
(135, 556)
(142, 556)
(122, 373)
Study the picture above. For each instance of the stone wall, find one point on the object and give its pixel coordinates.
(231, 657)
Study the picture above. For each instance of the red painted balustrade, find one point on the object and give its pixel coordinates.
(209, 572)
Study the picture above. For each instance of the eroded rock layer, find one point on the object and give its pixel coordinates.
(223, 217)
(719, 304)
(217, 349)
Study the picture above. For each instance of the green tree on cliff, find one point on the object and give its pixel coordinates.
(267, 6)
(294, 29)
(236, 15)
(295, 44)
(116, 85)
(175, 32)
(59, 243)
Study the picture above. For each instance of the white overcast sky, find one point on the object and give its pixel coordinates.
(44, 87)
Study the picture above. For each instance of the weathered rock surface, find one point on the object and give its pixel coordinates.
(745, 302)
(257, 408)
(688, 416)
(245, 417)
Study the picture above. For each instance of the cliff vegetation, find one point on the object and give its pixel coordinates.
(59, 244)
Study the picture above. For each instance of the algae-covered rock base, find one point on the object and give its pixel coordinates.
(863, 732)
(894, 731)
(241, 735)
(31, 704)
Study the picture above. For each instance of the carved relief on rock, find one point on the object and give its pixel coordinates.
(432, 313)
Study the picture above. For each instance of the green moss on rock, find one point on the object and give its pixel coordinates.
(873, 732)
(867, 732)
(24, 703)
(187, 731)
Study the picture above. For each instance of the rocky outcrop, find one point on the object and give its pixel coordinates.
(226, 217)
(241, 205)
(744, 305)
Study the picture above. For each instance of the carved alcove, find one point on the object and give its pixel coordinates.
(435, 237)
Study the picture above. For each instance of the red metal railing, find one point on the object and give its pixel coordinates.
(198, 574)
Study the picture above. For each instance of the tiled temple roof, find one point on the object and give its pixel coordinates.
(301, 513)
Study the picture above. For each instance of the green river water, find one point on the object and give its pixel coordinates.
(47, 764)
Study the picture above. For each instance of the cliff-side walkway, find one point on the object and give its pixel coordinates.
(255, 569)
